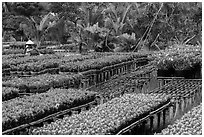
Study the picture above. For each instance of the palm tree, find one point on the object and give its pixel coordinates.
(115, 19)
(91, 15)
(38, 30)
(116, 22)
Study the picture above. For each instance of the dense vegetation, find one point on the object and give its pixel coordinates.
(189, 124)
(105, 26)
(107, 118)
(19, 111)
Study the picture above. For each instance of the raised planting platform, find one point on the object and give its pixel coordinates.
(179, 61)
(186, 94)
(189, 124)
(42, 83)
(9, 93)
(96, 76)
(19, 111)
(127, 82)
(108, 118)
(76, 63)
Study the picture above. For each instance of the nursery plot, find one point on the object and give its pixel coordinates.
(42, 83)
(107, 118)
(126, 83)
(180, 88)
(95, 63)
(9, 93)
(179, 61)
(62, 59)
(185, 93)
(9, 60)
(189, 124)
(23, 110)
(78, 63)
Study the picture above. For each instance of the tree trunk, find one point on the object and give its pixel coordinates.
(38, 38)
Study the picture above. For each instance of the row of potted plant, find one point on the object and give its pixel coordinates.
(189, 124)
(94, 63)
(14, 61)
(12, 51)
(105, 119)
(9, 93)
(121, 84)
(23, 110)
(24, 62)
(42, 83)
(61, 59)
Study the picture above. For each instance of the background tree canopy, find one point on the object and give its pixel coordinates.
(125, 26)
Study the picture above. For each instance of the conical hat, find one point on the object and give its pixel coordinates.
(29, 42)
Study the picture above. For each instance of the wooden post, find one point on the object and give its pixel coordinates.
(158, 121)
(151, 124)
(165, 113)
(148, 126)
(95, 78)
(188, 103)
(101, 77)
(182, 106)
(109, 74)
(171, 114)
(155, 122)
(105, 75)
(191, 101)
(161, 125)
(177, 111)
(87, 83)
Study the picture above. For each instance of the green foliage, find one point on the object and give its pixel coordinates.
(23, 110)
(179, 57)
(154, 24)
(105, 119)
(9, 93)
(69, 10)
(189, 124)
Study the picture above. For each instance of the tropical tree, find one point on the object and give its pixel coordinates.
(167, 22)
(111, 26)
(69, 10)
(153, 24)
(13, 14)
(38, 29)
(115, 21)
(80, 28)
